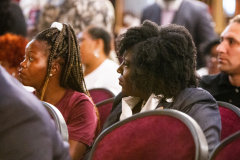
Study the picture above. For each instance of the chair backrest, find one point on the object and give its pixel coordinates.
(104, 109)
(229, 148)
(153, 135)
(100, 94)
(58, 119)
(230, 118)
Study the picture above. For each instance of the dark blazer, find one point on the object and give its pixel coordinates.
(193, 15)
(26, 129)
(195, 102)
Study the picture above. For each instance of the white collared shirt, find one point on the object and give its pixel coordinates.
(128, 103)
(168, 10)
(170, 5)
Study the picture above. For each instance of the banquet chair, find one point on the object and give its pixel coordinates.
(58, 119)
(230, 118)
(152, 135)
(104, 109)
(228, 149)
(100, 94)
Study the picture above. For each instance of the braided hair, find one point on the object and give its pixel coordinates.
(63, 44)
(164, 58)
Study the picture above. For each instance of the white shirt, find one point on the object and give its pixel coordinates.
(202, 71)
(168, 10)
(105, 76)
(128, 103)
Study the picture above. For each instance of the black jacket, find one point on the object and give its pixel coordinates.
(195, 102)
(221, 89)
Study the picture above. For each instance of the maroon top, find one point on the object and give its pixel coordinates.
(79, 114)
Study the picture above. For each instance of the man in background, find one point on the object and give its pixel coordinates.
(191, 14)
(226, 85)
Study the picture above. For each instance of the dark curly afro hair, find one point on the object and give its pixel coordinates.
(163, 58)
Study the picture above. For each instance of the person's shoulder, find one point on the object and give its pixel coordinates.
(20, 107)
(196, 92)
(191, 96)
(151, 7)
(194, 6)
(14, 5)
(194, 3)
(79, 96)
(210, 79)
(15, 94)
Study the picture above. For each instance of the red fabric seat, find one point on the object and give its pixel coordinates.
(228, 149)
(230, 118)
(100, 94)
(152, 135)
(104, 109)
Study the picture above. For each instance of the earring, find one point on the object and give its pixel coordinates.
(96, 54)
(50, 75)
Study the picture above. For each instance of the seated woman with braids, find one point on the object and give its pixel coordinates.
(159, 71)
(52, 66)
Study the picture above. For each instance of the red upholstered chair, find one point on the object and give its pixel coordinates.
(160, 134)
(100, 94)
(104, 109)
(228, 149)
(230, 117)
(58, 119)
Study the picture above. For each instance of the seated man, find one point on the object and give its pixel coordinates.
(225, 86)
(26, 130)
(159, 71)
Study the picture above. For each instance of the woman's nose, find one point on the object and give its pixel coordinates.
(221, 48)
(23, 64)
(119, 70)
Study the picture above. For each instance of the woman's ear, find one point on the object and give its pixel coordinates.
(100, 45)
(56, 68)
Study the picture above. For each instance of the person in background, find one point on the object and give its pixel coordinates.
(159, 71)
(129, 20)
(32, 10)
(199, 24)
(99, 71)
(52, 66)
(12, 51)
(225, 86)
(209, 50)
(12, 19)
(81, 14)
(26, 131)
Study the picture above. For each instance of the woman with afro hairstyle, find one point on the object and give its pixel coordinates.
(52, 65)
(159, 71)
